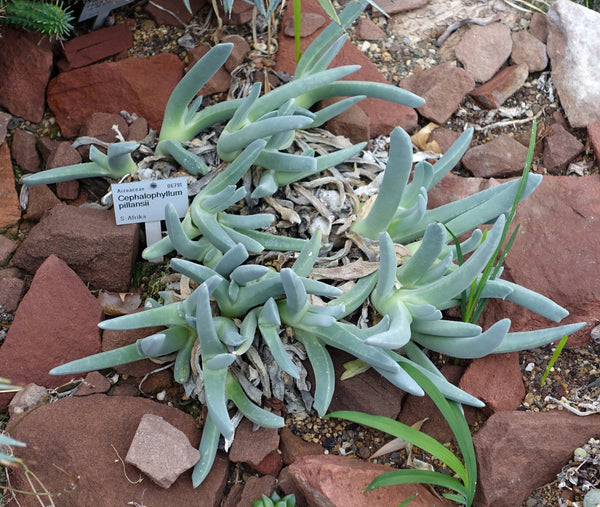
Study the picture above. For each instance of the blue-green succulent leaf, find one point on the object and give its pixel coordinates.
(530, 339)
(466, 347)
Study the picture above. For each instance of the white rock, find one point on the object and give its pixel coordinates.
(574, 50)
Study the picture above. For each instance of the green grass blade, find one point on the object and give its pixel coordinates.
(400, 430)
(407, 476)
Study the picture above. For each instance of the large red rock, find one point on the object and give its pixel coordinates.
(57, 322)
(385, 116)
(88, 240)
(25, 67)
(76, 446)
(518, 452)
(328, 480)
(10, 211)
(111, 87)
(563, 215)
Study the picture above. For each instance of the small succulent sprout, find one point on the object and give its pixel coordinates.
(115, 164)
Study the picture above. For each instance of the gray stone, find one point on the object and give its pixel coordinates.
(30, 396)
(391, 7)
(499, 158)
(4, 119)
(161, 451)
(574, 48)
(484, 49)
(7, 247)
(11, 292)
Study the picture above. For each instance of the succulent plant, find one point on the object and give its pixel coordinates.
(45, 17)
(239, 306)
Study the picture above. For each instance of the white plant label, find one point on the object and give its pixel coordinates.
(145, 201)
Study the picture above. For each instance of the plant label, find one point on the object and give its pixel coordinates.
(145, 201)
(100, 9)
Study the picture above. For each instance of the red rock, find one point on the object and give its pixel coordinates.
(23, 85)
(252, 447)
(56, 430)
(63, 155)
(443, 87)
(353, 123)
(138, 129)
(241, 13)
(499, 158)
(538, 27)
(46, 146)
(560, 149)
(41, 199)
(270, 465)
(24, 152)
(7, 248)
(483, 50)
(563, 211)
(95, 46)
(57, 322)
(395, 6)
(336, 480)
(594, 137)
(11, 292)
(494, 93)
(10, 210)
(385, 116)
(293, 447)
(221, 79)
(530, 50)
(173, 12)
(100, 126)
(73, 96)
(368, 392)
(366, 29)
(444, 137)
(101, 252)
(453, 187)
(67, 190)
(496, 380)
(161, 451)
(512, 446)
(310, 22)
(251, 490)
(240, 50)
(94, 383)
